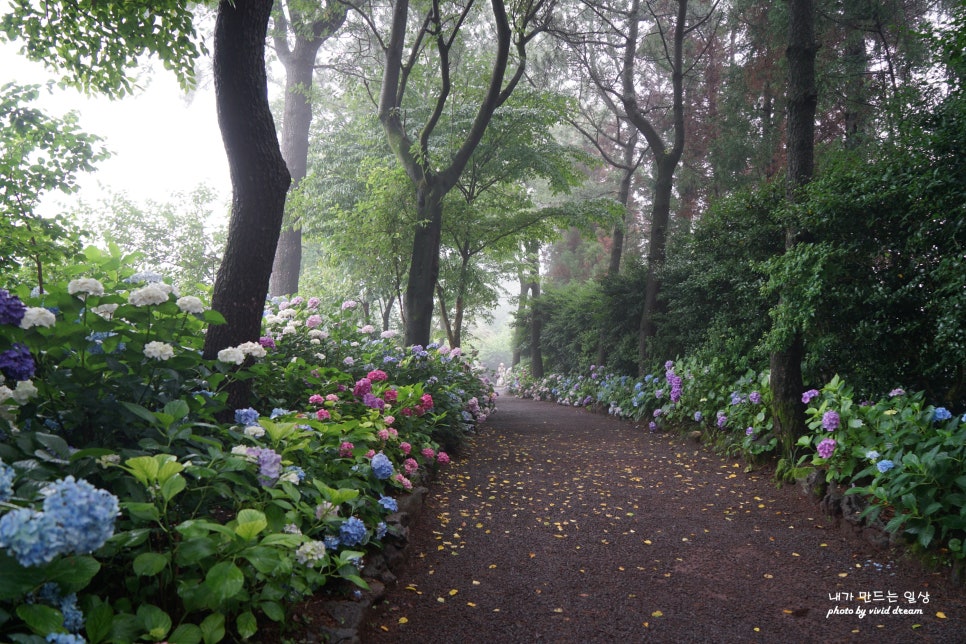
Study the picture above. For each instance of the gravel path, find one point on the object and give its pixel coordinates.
(562, 525)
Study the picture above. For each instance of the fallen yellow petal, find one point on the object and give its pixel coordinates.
(403, 620)
(657, 613)
(941, 615)
(453, 592)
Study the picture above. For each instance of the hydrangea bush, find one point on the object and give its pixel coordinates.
(116, 474)
(908, 458)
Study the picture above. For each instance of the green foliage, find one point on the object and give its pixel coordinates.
(221, 525)
(39, 154)
(181, 239)
(905, 458)
(96, 45)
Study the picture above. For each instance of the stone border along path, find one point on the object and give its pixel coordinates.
(561, 525)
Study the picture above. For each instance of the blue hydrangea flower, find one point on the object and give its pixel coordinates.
(277, 412)
(331, 542)
(65, 638)
(941, 414)
(84, 513)
(381, 530)
(381, 466)
(698, 416)
(16, 363)
(7, 474)
(389, 504)
(884, 465)
(246, 417)
(352, 532)
(12, 309)
(31, 537)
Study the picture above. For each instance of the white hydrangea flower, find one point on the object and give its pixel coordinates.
(272, 320)
(290, 477)
(255, 431)
(191, 304)
(242, 450)
(367, 329)
(106, 311)
(310, 553)
(287, 314)
(85, 286)
(6, 393)
(315, 341)
(231, 355)
(316, 334)
(148, 295)
(252, 349)
(37, 316)
(25, 391)
(289, 329)
(158, 350)
(385, 335)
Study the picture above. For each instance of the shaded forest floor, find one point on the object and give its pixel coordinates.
(562, 525)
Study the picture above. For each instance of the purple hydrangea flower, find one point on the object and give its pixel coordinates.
(826, 447)
(809, 395)
(269, 464)
(830, 420)
(755, 397)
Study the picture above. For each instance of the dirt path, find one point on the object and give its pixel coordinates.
(561, 525)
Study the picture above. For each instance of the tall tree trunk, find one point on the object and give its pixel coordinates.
(387, 312)
(536, 322)
(259, 177)
(786, 362)
(665, 160)
(423, 267)
(628, 169)
(518, 334)
(444, 314)
(299, 62)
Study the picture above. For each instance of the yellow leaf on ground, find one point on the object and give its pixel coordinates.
(453, 592)
(657, 613)
(403, 620)
(941, 615)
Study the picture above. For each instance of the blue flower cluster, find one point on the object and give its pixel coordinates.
(389, 504)
(49, 594)
(381, 466)
(7, 474)
(16, 362)
(352, 532)
(246, 417)
(76, 518)
(941, 414)
(12, 309)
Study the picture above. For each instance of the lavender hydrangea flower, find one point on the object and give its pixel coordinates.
(755, 397)
(269, 464)
(352, 532)
(809, 395)
(698, 416)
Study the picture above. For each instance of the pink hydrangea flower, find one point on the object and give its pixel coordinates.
(363, 387)
(410, 465)
(313, 321)
(405, 447)
(383, 434)
(442, 457)
(427, 401)
(393, 432)
(377, 375)
(345, 449)
(370, 453)
(323, 414)
(402, 480)
(316, 399)
(313, 302)
(332, 398)
(389, 420)
(429, 453)
(390, 395)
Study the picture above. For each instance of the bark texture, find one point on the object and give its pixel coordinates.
(259, 176)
